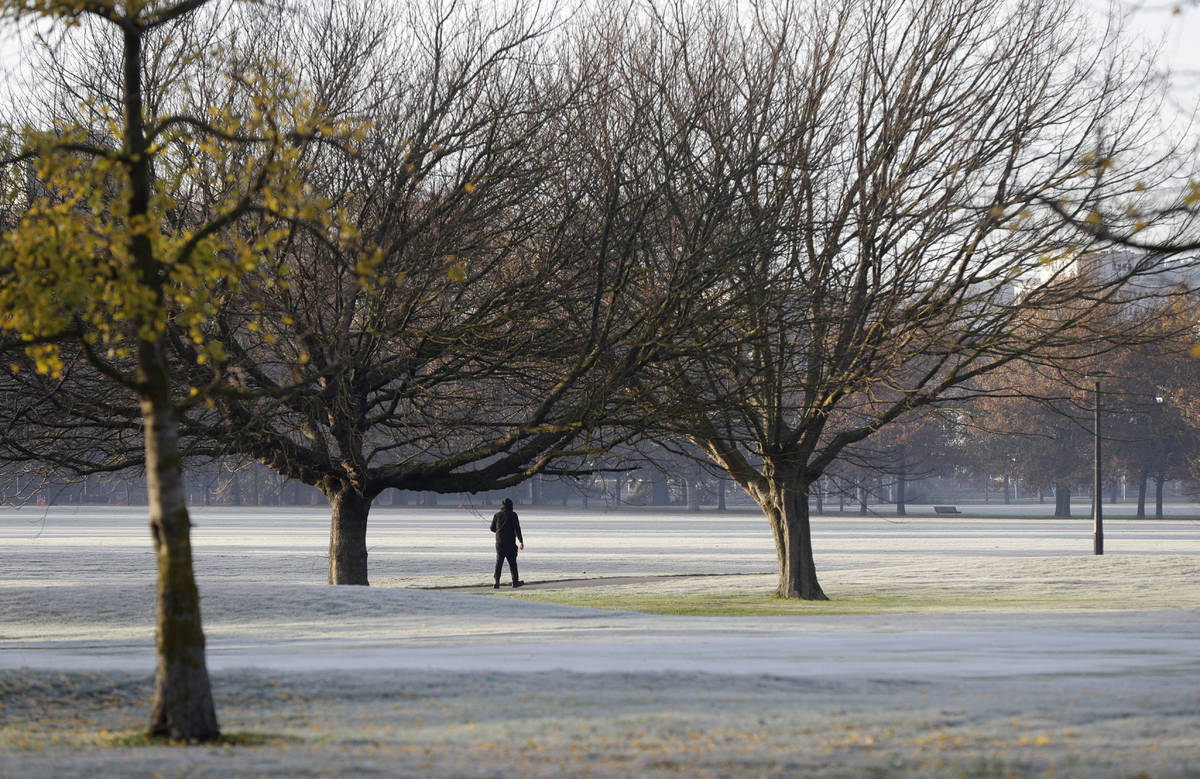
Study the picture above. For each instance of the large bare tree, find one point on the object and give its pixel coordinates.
(496, 286)
(887, 241)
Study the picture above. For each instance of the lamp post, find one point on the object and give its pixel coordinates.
(1160, 459)
(1097, 491)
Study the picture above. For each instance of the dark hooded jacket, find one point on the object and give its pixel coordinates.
(507, 528)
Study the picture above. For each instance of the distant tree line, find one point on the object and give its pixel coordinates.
(1030, 440)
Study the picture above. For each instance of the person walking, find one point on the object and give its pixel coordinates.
(507, 528)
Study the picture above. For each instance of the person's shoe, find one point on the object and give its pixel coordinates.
(496, 586)
(518, 584)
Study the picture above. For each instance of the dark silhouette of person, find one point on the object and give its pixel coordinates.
(507, 528)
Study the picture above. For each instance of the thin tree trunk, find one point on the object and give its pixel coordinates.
(660, 494)
(183, 704)
(901, 479)
(1062, 501)
(1158, 496)
(182, 707)
(347, 536)
(1141, 501)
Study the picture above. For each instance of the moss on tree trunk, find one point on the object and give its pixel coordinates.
(183, 704)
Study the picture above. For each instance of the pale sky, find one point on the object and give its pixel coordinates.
(1179, 33)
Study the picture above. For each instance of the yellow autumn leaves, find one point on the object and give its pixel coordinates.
(68, 264)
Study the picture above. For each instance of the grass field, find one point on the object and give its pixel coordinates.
(645, 644)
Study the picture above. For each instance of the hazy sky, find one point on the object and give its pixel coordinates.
(1178, 32)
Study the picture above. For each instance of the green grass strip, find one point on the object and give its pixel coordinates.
(737, 604)
(233, 739)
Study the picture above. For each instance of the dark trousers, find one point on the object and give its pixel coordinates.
(511, 556)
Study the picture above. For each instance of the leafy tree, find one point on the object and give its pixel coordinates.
(1154, 436)
(106, 259)
(1036, 424)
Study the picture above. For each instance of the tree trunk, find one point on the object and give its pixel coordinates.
(1007, 490)
(183, 703)
(660, 493)
(787, 511)
(347, 536)
(901, 479)
(1159, 481)
(1141, 503)
(693, 493)
(1062, 501)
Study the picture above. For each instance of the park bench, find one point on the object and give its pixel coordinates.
(946, 510)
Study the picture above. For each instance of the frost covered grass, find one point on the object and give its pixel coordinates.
(961, 647)
(558, 724)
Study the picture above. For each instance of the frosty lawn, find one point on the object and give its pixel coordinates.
(952, 646)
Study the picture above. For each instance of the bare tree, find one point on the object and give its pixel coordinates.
(495, 288)
(888, 243)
